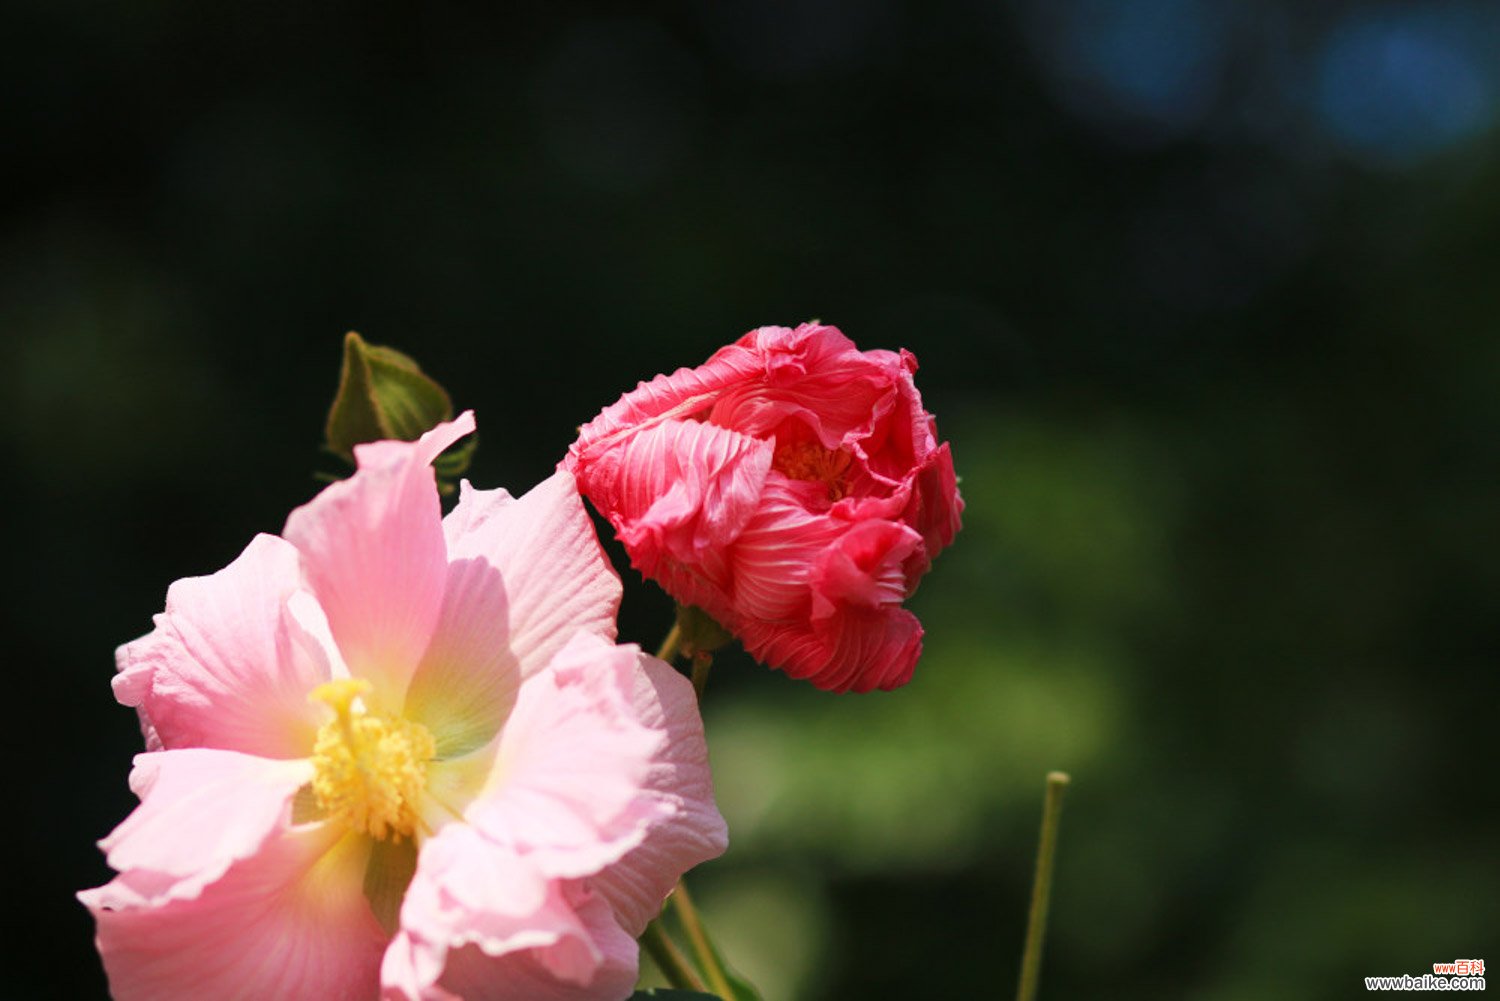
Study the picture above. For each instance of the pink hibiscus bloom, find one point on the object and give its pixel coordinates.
(396, 755)
(793, 488)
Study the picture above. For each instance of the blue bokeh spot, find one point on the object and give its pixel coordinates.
(1156, 62)
(1397, 86)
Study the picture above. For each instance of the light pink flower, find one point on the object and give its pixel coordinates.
(793, 488)
(395, 755)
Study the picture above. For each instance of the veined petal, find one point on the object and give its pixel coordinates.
(853, 650)
(678, 468)
(598, 964)
(774, 557)
(863, 568)
(812, 375)
(555, 576)
(689, 830)
(679, 490)
(870, 649)
(936, 508)
(373, 551)
(468, 678)
(289, 921)
(467, 890)
(566, 791)
(201, 811)
(683, 395)
(227, 665)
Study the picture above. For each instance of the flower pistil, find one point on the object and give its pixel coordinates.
(809, 460)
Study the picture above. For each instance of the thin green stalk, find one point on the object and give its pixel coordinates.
(1041, 887)
(669, 960)
(668, 649)
(680, 901)
(708, 961)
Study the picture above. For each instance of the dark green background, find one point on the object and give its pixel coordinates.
(1211, 329)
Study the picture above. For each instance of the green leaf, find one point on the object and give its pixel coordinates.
(384, 394)
(670, 994)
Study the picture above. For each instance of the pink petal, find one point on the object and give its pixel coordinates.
(474, 510)
(409, 971)
(470, 891)
(682, 395)
(689, 829)
(774, 558)
(571, 762)
(870, 650)
(936, 508)
(201, 811)
(290, 921)
(812, 375)
(227, 665)
(864, 568)
(468, 678)
(679, 493)
(552, 973)
(681, 489)
(373, 552)
(555, 576)
(855, 650)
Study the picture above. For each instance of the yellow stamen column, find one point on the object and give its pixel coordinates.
(369, 770)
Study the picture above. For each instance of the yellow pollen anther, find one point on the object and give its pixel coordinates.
(368, 770)
(808, 460)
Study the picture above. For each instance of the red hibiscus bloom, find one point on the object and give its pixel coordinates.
(793, 488)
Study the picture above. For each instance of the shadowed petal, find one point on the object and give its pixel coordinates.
(288, 922)
(566, 788)
(479, 923)
(602, 970)
(467, 681)
(373, 553)
(201, 811)
(469, 890)
(556, 578)
(227, 665)
(689, 830)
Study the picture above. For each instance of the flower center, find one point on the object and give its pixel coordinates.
(368, 770)
(808, 460)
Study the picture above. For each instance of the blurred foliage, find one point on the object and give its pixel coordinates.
(1205, 298)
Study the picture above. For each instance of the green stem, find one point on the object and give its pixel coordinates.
(671, 962)
(708, 961)
(680, 901)
(668, 649)
(1041, 888)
